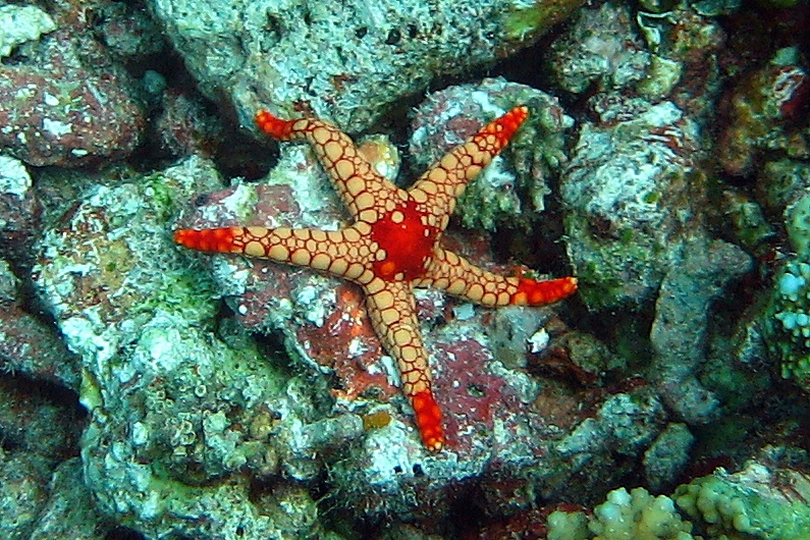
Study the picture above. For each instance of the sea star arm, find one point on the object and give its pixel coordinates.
(359, 186)
(392, 311)
(337, 252)
(445, 181)
(458, 277)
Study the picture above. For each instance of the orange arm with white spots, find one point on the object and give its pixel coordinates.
(359, 187)
(460, 278)
(445, 181)
(392, 311)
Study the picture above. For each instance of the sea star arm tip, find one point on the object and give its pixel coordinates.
(218, 240)
(273, 126)
(506, 126)
(428, 420)
(531, 292)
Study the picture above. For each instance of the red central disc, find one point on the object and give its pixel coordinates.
(407, 241)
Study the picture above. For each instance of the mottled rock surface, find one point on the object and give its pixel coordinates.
(346, 62)
(64, 101)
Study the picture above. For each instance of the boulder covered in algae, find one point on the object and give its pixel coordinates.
(635, 189)
(63, 99)
(347, 62)
(180, 415)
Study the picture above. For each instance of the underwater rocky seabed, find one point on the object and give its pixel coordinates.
(151, 392)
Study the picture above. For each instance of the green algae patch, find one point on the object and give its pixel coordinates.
(537, 19)
(755, 503)
(115, 258)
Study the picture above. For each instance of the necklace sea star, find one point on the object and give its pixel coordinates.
(392, 246)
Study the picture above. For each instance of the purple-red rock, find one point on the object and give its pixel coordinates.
(58, 108)
(29, 346)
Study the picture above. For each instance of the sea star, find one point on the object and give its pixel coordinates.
(392, 246)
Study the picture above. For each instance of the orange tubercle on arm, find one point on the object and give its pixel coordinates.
(536, 293)
(428, 420)
(216, 240)
(506, 126)
(273, 126)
